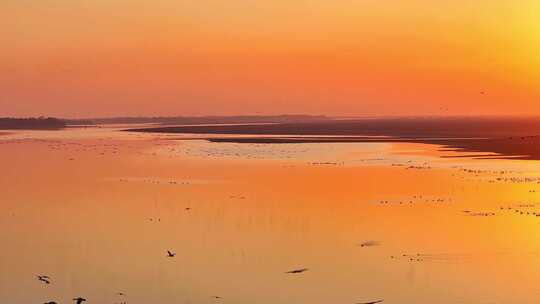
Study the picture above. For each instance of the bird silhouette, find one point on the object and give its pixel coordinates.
(51, 302)
(170, 254)
(297, 271)
(44, 279)
(79, 300)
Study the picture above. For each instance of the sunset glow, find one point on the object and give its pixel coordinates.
(269, 151)
(106, 58)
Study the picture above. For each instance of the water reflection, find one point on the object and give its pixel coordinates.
(97, 210)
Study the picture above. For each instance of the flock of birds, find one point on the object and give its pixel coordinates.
(523, 209)
(47, 280)
(171, 254)
(520, 209)
(416, 199)
(155, 181)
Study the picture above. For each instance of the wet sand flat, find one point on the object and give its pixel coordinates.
(508, 137)
(515, 148)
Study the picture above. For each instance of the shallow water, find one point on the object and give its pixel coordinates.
(97, 209)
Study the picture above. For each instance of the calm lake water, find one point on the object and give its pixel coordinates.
(97, 209)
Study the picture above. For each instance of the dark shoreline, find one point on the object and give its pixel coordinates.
(41, 123)
(507, 137)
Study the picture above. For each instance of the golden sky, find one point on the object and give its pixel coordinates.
(76, 58)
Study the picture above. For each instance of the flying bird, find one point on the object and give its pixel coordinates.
(170, 254)
(51, 302)
(374, 302)
(79, 300)
(296, 271)
(44, 279)
(369, 244)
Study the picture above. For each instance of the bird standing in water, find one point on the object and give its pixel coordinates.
(369, 244)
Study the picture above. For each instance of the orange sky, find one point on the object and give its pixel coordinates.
(76, 58)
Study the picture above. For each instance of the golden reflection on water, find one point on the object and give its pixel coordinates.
(97, 209)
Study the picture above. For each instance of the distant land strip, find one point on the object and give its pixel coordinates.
(41, 123)
(515, 138)
(198, 120)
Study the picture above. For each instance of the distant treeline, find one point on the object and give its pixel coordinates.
(79, 122)
(195, 120)
(40, 123)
